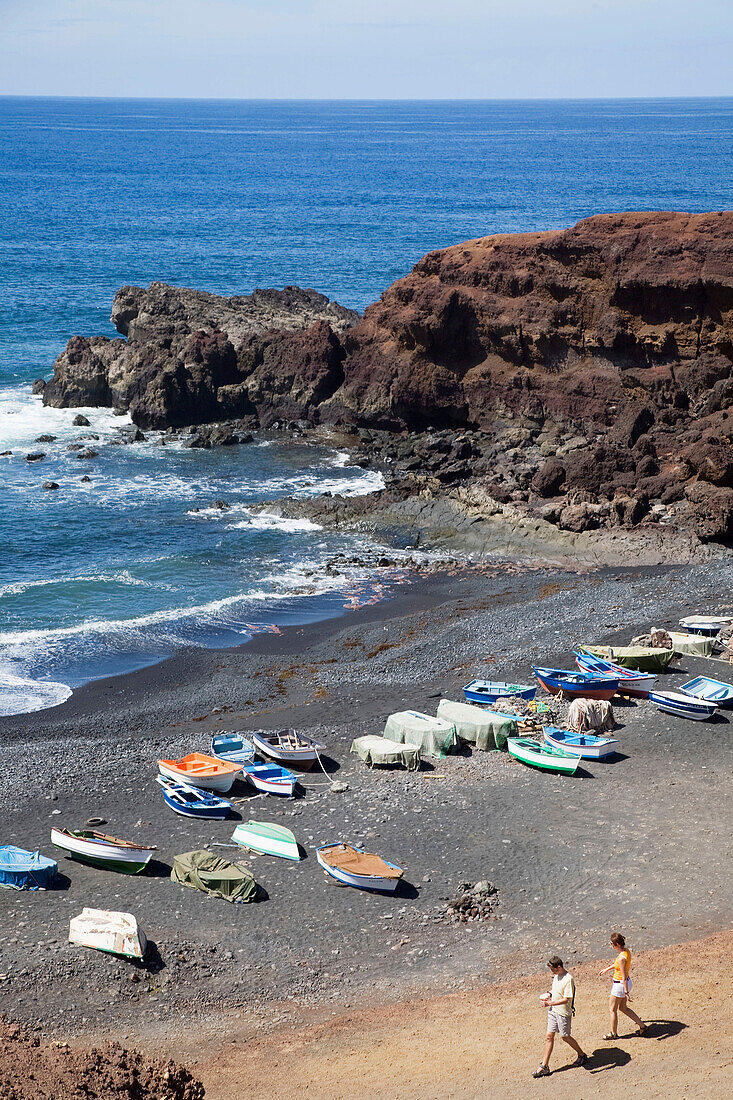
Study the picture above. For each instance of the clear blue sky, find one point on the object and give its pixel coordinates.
(344, 49)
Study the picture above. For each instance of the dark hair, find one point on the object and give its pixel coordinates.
(617, 939)
(555, 961)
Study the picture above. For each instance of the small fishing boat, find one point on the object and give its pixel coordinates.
(288, 747)
(588, 685)
(706, 624)
(488, 691)
(192, 802)
(638, 658)
(108, 852)
(199, 770)
(355, 867)
(584, 745)
(546, 757)
(270, 778)
(630, 681)
(684, 706)
(232, 747)
(709, 691)
(105, 930)
(267, 838)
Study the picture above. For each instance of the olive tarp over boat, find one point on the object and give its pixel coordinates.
(434, 736)
(379, 750)
(218, 877)
(641, 658)
(482, 728)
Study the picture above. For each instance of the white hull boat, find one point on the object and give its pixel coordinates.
(684, 706)
(355, 867)
(288, 747)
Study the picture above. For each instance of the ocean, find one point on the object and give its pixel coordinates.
(112, 573)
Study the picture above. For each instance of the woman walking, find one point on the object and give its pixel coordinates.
(621, 988)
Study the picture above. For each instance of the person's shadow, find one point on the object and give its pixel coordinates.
(607, 1058)
(663, 1029)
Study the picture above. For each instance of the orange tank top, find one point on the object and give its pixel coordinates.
(617, 975)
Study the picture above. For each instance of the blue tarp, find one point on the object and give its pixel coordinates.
(23, 870)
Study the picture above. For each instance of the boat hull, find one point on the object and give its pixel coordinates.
(494, 690)
(283, 784)
(267, 840)
(302, 758)
(542, 757)
(204, 813)
(577, 691)
(706, 690)
(595, 748)
(696, 711)
(106, 856)
(112, 933)
(373, 884)
(219, 783)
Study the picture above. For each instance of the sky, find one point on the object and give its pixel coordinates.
(367, 49)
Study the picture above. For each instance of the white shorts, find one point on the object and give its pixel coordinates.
(557, 1023)
(617, 989)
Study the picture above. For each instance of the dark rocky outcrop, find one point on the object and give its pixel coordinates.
(587, 372)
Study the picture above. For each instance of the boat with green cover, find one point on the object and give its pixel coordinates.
(640, 657)
(546, 757)
(267, 838)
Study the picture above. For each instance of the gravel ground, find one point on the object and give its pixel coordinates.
(639, 843)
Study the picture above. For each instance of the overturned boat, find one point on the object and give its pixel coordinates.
(106, 930)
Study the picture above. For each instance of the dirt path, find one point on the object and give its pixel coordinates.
(488, 1042)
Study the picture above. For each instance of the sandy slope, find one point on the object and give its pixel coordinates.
(488, 1042)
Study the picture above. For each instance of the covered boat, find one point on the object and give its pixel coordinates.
(709, 691)
(630, 682)
(589, 685)
(375, 751)
(193, 802)
(267, 838)
(355, 867)
(108, 852)
(215, 876)
(22, 870)
(640, 657)
(692, 645)
(584, 745)
(433, 736)
(483, 728)
(199, 770)
(488, 691)
(288, 747)
(545, 757)
(684, 706)
(106, 930)
(270, 778)
(235, 748)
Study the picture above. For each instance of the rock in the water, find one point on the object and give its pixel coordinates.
(50, 485)
(87, 452)
(46, 439)
(35, 456)
(80, 421)
(38, 387)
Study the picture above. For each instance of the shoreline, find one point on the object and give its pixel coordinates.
(471, 816)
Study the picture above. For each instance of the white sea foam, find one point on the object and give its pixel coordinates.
(265, 521)
(19, 695)
(24, 417)
(124, 578)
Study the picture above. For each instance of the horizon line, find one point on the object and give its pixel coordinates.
(366, 99)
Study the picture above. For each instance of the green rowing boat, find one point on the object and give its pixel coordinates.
(545, 757)
(267, 838)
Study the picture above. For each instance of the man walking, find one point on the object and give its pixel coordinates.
(559, 1004)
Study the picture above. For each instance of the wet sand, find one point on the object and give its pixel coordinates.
(642, 843)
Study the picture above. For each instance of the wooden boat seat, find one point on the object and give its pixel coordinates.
(359, 863)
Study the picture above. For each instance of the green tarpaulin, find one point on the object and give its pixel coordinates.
(202, 870)
(378, 750)
(691, 645)
(482, 728)
(433, 736)
(641, 658)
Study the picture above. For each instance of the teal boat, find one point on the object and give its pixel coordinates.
(267, 838)
(546, 757)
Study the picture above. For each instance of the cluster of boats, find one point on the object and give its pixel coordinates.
(598, 676)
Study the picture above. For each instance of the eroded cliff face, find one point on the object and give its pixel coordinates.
(591, 368)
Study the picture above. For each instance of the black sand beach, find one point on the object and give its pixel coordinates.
(641, 842)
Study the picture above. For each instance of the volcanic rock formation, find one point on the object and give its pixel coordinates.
(591, 367)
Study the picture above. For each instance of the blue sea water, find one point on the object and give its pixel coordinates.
(227, 196)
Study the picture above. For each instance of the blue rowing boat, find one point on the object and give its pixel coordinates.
(233, 747)
(488, 691)
(574, 685)
(709, 691)
(630, 681)
(193, 801)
